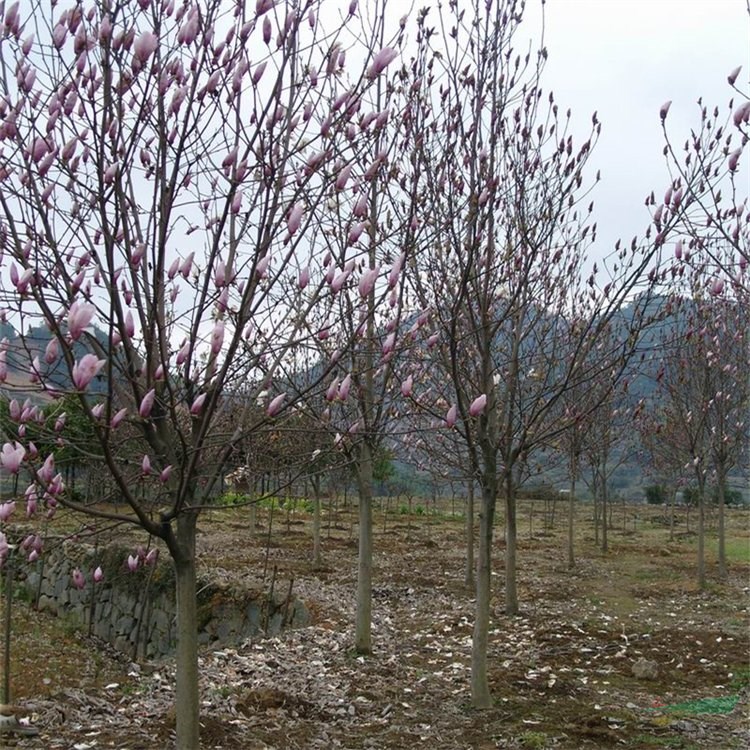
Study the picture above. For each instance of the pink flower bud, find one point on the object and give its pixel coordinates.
(275, 406)
(381, 61)
(407, 386)
(197, 405)
(345, 387)
(478, 405)
(144, 410)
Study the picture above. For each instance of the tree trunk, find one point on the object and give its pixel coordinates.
(671, 514)
(511, 535)
(363, 637)
(469, 577)
(253, 517)
(186, 693)
(701, 537)
(480, 689)
(571, 523)
(595, 492)
(605, 522)
(317, 553)
(723, 572)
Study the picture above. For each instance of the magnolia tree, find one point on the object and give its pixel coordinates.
(165, 175)
(372, 231)
(702, 426)
(513, 320)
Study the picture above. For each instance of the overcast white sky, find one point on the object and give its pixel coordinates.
(624, 58)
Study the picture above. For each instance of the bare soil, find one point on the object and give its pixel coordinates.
(561, 672)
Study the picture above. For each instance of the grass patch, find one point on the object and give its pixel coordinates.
(737, 549)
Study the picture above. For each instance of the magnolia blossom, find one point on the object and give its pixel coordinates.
(344, 388)
(275, 406)
(478, 405)
(79, 317)
(406, 386)
(151, 557)
(11, 457)
(197, 405)
(147, 403)
(381, 61)
(78, 580)
(85, 370)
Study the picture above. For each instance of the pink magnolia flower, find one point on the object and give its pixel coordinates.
(133, 563)
(407, 386)
(98, 575)
(118, 418)
(275, 406)
(295, 217)
(51, 351)
(217, 337)
(11, 457)
(78, 580)
(367, 281)
(144, 410)
(6, 510)
(664, 110)
(47, 470)
(478, 405)
(381, 61)
(332, 389)
(79, 317)
(197, 405)
(146, 466)
(344, 388)
(304, 277)
(143, 47)
(151, 557)
(451, 416)
(166, 472)
(85, 370)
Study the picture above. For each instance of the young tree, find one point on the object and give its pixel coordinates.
(505, 284)
(372, 232)
(164, 174)
(702, 424)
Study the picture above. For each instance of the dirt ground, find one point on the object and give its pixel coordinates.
(562, 671)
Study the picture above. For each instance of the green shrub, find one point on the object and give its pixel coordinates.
(656, 494)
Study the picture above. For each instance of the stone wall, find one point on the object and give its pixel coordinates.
(135, 611)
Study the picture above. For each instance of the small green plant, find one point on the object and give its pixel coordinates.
(403, 509)
(420, 510)
(534, 740)
(230, 499)
(740, 679)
